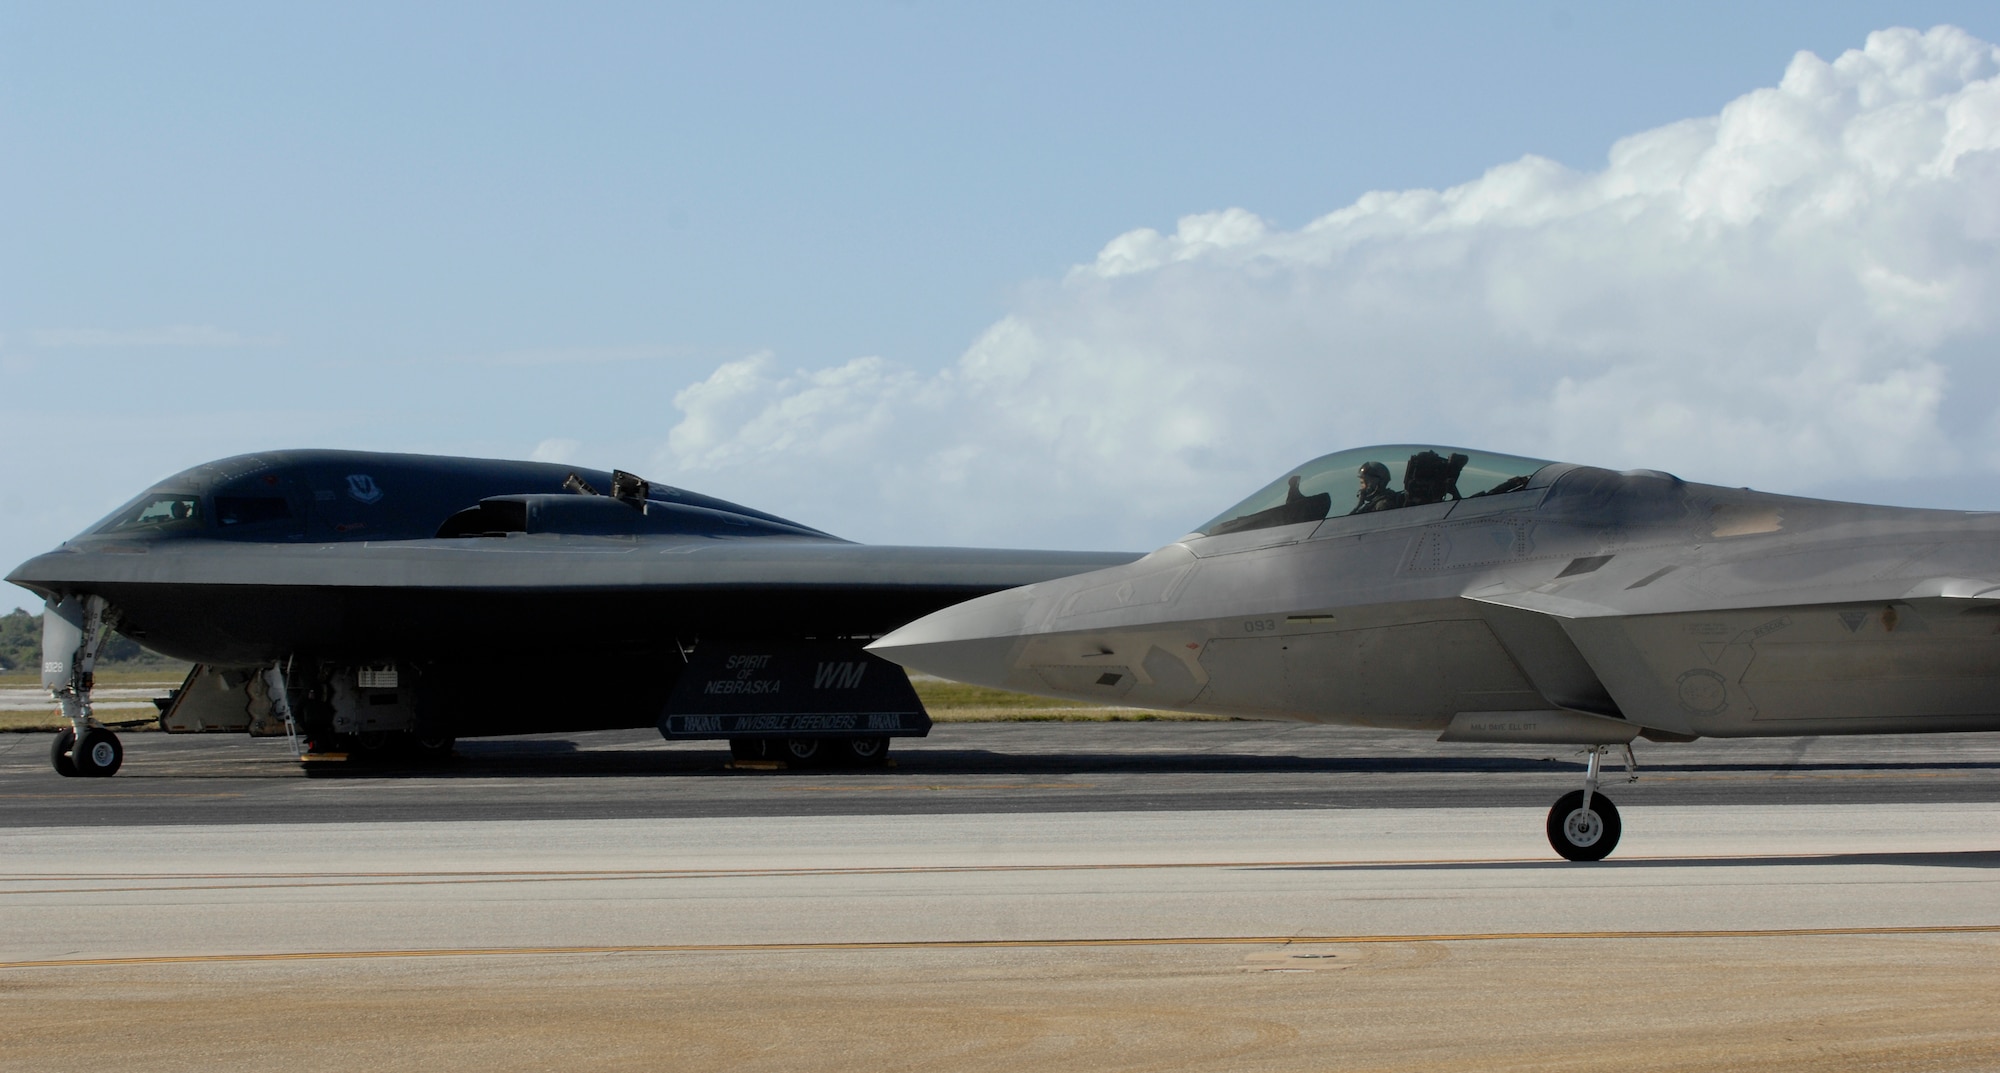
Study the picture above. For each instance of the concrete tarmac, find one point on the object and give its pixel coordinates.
(973, 768)
(919, 934)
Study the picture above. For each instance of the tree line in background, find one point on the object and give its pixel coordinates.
(21, 646)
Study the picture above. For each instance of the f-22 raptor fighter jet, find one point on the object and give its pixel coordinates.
(1488, 598)
(388, 604)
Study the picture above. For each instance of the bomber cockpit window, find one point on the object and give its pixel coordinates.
(155, 512)
(1373, 479)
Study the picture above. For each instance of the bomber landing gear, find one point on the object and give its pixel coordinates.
(800, 752)
(72, 630)
(867, 750)
(99, 753)
(812, 752)
(432, 748)
(1584, 824)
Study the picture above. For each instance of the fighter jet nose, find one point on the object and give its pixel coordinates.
(970, 642)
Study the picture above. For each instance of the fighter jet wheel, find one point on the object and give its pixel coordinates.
(747, 748)
(802, 752)
(1581, 835)
(867, 750)
(59, 754)
(98, 754)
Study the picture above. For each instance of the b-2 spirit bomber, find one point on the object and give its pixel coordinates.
(1491, 598)
(388, 604)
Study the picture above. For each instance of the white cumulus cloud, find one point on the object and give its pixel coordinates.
(1799, 292)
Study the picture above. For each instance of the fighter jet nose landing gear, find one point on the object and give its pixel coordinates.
(1584, 824)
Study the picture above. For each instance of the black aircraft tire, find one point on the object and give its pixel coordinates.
(59, 754)
(803, 752)
(748, 748)
(99, 754)
(1586, 838)
(432, 749)
(867, 750)
(375, 744)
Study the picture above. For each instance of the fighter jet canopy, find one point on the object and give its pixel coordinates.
(1375, 478)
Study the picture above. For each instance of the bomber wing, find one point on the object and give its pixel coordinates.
(343, 598)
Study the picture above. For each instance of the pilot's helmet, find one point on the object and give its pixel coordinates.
(1375, 471)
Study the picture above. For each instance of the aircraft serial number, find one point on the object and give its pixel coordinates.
(1260, 625)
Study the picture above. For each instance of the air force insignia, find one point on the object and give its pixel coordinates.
(363, 487)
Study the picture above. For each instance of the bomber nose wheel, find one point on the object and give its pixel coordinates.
(98, 754)
(1581, 834)
(59, 754)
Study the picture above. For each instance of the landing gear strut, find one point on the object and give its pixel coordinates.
(1584, 824)
(72, 630)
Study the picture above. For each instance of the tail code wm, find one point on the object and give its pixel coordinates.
(838, 675)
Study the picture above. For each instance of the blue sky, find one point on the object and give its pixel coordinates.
(522, 230)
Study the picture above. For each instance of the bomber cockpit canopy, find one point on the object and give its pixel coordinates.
(322, 496)
(1370, 479)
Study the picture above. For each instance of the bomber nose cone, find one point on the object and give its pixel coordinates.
(969, 642)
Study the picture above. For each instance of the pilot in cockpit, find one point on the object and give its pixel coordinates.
(1375, 493)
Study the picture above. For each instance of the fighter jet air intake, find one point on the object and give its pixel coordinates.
(1487, 598)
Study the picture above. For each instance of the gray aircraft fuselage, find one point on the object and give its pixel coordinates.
(1679, 608)
(1565, 604)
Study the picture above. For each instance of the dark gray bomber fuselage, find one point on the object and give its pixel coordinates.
(547, 603)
